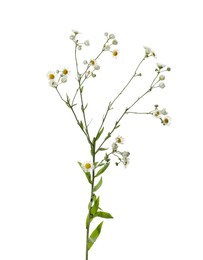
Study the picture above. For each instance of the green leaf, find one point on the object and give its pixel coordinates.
(99, 133)
(102, 214)
(87, 174)
(95, 207)
(95, 234)
(99, 184)
(103, 149)
(88, 221)
(102, 169)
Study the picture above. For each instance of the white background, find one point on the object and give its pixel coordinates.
(157, 201)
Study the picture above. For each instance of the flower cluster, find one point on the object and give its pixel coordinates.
(149, 52)
(162, 115)
(111, 41)
(57, 77)
(79, 45)
(123, 157)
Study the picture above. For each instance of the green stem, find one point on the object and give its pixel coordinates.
(91, 199)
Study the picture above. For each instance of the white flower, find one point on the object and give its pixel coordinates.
(93, 62)
(166, 120)
(64, 79)
(87, 43)
(75, 32)
(115, 53)
(114, 147)
(111, 36)
(160, 65)
(161, 85)
(119, 139)
(106, 48)
(72, 37)
(161, 77)
(114, 42)
(65, 71)
(126, 161)
(163, 111)
(96, 67)
(87, 166)
(147, 50)
(125, 154)
(51, 75)
(156, 113)
(53, 83)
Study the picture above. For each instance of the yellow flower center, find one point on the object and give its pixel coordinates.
(166, 121)
(51, 76)
(87, 166)
(115, 53)
(157, 113)
(92, 62)
(65, 71)
(119, 140)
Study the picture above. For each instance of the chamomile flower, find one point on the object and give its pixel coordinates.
(87, 166)
(92, 62)
(114, 147)
(161, 85)
(51, 75)
(87, 43)
(166, 120)
(156, 113)
(160, 66)
(53, 83)
(65, 71)
(64, 79)
(96, 67)
(163, 111)
(161, 77)
(115, 53)
(119, 139)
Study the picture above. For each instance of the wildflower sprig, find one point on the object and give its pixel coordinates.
(98, 163)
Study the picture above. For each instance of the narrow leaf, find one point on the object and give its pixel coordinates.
(95, 234)
(103, 149)
(95, 207)
(87, 174)
(88, 220)
(99, 184)
(102, 214)
(102, 169)
(100, 133)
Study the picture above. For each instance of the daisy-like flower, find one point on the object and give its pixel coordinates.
(96, 67)
(111, 36)
(119, 139)
(161, 85)
(156, 113)
(114, 147)
(160, 65)
(92, 62)
(166, 120)
(115, 53)
(64, 79)
(87, 166)
(51, 75)
(87, 43)
(161, 77)
(53, 83)
(106, 48)
(114, 42)
(163, 111)
(147, 50)
(126, 161)
(65, 72)
(125, 154)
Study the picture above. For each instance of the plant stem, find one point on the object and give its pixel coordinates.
(91, 199)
